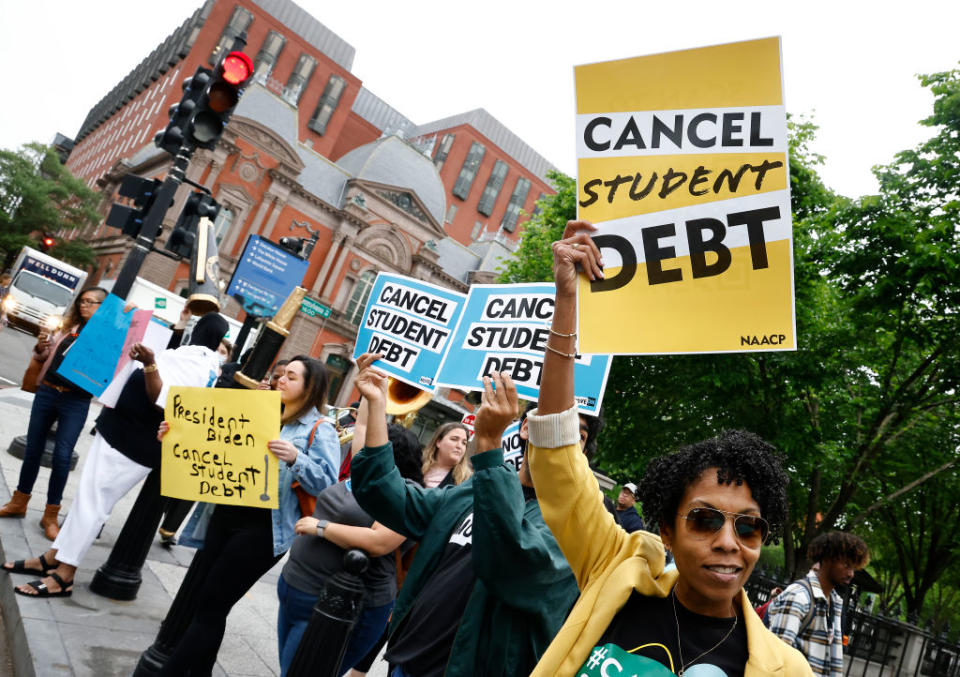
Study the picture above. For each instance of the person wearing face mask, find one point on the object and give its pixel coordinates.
(124, 451)
(242, 543)
(445, 456)
(57, 399)
(715, 502)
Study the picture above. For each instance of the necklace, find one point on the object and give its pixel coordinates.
(684, 665)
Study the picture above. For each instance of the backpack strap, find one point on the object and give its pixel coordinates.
(811, 612)
(313, 431)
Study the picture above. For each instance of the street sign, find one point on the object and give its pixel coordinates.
(159, 302)
(312, 308)
(265, 276)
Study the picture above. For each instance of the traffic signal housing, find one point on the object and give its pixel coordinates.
(292, 244)
(143, 192)
(208, 101)
(184, 234)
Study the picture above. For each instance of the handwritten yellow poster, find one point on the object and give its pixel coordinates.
(216, 449)
(682, 166)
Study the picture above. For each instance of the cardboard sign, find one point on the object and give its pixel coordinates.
(216, 449)
(409, 322)
(505, 328)
(682, 166)
(512, 447)
(96, 355)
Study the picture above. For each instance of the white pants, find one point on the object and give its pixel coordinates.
(106, 477)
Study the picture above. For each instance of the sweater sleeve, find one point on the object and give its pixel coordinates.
(381, 491)
(572, 503)
(514, 553)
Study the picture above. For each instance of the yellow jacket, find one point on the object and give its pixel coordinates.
(608, 562)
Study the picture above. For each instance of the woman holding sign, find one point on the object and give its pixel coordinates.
(59, 400)
(716, 502)
(242, 543)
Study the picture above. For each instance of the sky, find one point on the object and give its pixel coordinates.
(850, 66)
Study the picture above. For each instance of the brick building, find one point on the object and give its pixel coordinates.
(310, 150)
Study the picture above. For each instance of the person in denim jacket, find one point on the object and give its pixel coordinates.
(242, 544)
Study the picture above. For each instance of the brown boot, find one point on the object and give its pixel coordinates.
(17, 507)
(49, 522)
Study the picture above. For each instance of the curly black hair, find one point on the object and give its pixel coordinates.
(839, 545)
(740, 457)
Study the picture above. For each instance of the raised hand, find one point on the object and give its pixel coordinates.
(498, 409)
(575, 251)
(371, 383)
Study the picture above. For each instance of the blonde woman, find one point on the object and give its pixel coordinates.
(445, 456)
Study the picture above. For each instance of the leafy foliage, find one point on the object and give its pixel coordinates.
(38, 195)
(873, 386)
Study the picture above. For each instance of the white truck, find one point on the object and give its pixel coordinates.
(41, 291)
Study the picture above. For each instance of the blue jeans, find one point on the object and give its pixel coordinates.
(399, 672)
(69, 409)
(296, 608)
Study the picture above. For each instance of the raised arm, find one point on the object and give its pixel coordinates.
(570, 499)
(507, 536)
(378, 486)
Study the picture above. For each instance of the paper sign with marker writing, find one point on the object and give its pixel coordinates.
(216, 449)
(410, 323)
(94, 358)
(682, 166)
(505, 328)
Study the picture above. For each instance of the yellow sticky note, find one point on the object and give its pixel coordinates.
(216, 449)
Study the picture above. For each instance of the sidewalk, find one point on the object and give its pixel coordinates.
(89, 635)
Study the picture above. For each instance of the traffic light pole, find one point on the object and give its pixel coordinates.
(152, 223)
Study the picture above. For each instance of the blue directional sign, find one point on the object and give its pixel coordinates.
(265, 276)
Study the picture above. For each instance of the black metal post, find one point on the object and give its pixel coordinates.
(120, 577)
(152, 222)
(338, 607)
(178, 618)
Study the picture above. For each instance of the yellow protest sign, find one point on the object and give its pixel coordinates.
(216, 449)
(682, 166)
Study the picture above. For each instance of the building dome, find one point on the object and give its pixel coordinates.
(394, 162)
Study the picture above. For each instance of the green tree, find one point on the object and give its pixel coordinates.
(533, 260)
(37, 195)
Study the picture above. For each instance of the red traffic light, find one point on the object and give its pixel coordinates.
(236, 68)
(46, 242)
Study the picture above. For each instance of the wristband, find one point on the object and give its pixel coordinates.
(150, 368)
(321, 525)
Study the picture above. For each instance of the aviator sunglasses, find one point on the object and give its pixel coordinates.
(751, 530)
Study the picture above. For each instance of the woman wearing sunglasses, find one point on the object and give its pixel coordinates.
(716, 502)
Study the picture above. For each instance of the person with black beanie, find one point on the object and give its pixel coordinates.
(124, 451)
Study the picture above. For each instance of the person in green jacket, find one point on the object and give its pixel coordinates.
(488, 588)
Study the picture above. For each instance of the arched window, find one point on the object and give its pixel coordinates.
(358, 301)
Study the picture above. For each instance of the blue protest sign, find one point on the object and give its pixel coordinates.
(512, 451)
(92, 359)
(264, 277)
(409, 322)
(505, 328)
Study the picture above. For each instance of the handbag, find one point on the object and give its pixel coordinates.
(29, 382)
(307, 501)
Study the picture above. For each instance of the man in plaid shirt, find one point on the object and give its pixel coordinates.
(807, 614)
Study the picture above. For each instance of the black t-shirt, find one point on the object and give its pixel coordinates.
(52, 377)
(422, 643)
(131, 426)
(647, 627)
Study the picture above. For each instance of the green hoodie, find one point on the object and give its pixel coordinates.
(523, 587)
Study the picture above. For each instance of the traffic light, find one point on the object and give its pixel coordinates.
(46, 242)
(208, 100)
(184, 234)
(143, 192)
(292, 244)
(181, 114)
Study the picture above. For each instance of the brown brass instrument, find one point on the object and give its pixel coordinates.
(404, 401)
